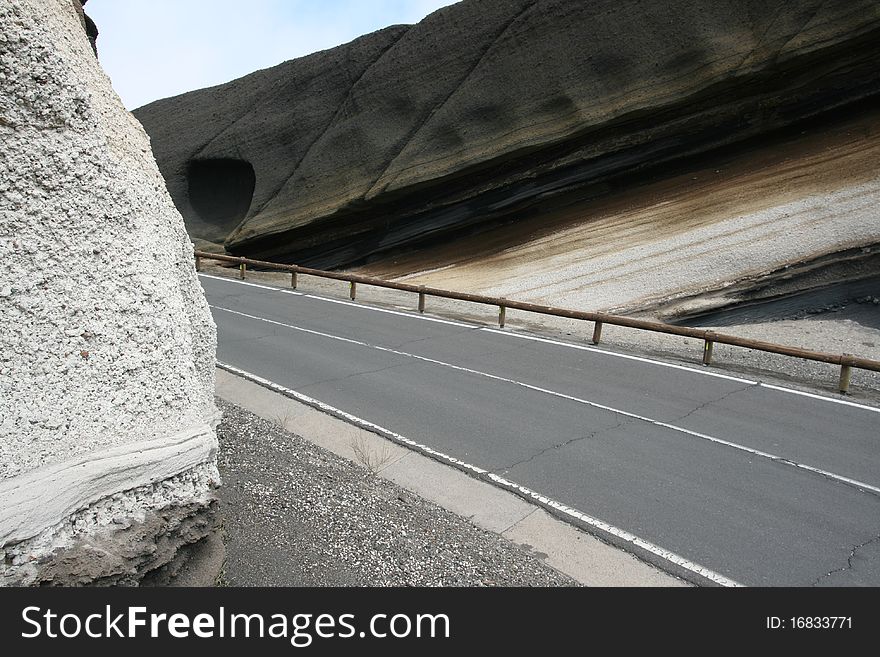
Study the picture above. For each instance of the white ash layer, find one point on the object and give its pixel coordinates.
(106, 338)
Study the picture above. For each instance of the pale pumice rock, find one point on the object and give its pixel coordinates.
(107, 345)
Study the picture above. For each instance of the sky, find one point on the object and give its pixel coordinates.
(154, 49)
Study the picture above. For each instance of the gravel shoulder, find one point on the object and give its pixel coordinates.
(298, 515)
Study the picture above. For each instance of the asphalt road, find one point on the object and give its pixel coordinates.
(752, 484)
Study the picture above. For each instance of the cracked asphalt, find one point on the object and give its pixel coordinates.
(762, 486)
(847, 575)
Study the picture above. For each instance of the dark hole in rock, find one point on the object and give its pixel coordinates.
(220, 191)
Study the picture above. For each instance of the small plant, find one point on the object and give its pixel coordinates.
(285, 419)
(372, 458)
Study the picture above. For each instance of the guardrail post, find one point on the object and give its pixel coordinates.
(352, 293)
(846, 362)
(708, 347)
(845, 373)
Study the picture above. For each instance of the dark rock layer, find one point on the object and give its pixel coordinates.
(486, 108)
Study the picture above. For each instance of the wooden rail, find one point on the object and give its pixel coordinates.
(710, 338)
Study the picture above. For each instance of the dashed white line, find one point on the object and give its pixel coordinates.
(605, 352)
(569, 345)
(620, 534)
(262, 287)
(586, 402)
(340, 302)
(704, 372)
(435, 320)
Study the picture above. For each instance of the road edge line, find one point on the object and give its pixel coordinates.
(647, 551)
(561, 343)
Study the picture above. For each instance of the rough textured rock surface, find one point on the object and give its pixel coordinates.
(145, 535)
(486, 108)
(107, 345)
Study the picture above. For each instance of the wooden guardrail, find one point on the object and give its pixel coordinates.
(709, 338)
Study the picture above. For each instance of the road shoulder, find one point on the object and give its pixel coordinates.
(554, 543)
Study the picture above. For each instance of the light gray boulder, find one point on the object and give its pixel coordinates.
(107, 346)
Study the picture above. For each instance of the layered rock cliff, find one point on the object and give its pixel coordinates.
(107, 416)
(485, 108)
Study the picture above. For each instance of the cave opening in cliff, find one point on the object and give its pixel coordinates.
(220, 191)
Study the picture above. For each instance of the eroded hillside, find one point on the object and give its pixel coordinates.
(809, 195)
(486, 110)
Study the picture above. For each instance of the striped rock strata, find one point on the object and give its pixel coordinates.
(486, 109)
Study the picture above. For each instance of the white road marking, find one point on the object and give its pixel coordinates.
(435, 320)
(262, 287)
(820, 397)
(570, 345)
(621, 534)
(340, 302)
(641, 359)
(586, 402)
(605, 352)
